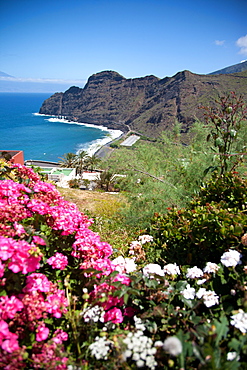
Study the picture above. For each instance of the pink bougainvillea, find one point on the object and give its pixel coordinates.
(33, 217)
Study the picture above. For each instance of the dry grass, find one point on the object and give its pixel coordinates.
(91, 201)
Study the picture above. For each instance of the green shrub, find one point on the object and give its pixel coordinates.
(213, 222)
(229, 189)
(74, 183)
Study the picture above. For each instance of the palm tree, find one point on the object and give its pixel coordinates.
(68, 160)
(92, 162)
(106, 180)
(80, 161)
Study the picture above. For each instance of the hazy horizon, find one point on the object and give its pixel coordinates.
(50, 46)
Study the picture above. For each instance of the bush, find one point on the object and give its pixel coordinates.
(74, 183)
(206, 228)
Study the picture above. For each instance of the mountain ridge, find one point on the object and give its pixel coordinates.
(148, 105)
(240, 67)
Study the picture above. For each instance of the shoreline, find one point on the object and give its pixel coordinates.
(95, 146)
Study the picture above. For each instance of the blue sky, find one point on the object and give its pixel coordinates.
(71, 40)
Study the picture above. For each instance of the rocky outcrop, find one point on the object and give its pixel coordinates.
(148, 105)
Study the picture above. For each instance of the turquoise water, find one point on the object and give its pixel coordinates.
(40, 137)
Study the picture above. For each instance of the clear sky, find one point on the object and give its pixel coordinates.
(74, 39)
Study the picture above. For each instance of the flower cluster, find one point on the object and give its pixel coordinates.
(100, 348)
(27, 208)
(140, 349)
(58, 261)
(239, 320)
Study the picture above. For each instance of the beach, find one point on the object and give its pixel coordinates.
(98, 146)
(45, 138)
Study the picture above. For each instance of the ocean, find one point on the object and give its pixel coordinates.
(43, 137)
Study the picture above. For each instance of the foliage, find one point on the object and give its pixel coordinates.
(74, 183)
(92, 162)
(160, 174)
(68, 160)
(81, 161)
(213, 222)
(229, 190)
(106, 181)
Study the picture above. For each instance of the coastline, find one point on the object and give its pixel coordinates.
(94, 147)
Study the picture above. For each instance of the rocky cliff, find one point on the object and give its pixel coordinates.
(148, 105)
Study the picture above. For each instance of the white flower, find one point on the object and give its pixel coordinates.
(239, 320)
(95, 313)
(99, 349)
(140, 348)
(200, 293)
(135, 244)
(171, 269)
(231, 356)
(194, 272)
(158, 343)
(173, 346)
(209, 297)
(140, 363)
(152, 268)
(138, 324)
(188, 292)
(231, 258)
(145, 238)
(201, 281)
(124, 265)
(211, 268)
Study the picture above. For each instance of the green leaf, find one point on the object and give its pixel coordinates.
(221, 329)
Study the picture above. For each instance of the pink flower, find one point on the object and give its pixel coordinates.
(9, 307)
(4, 330)
(59, 261)
(7, 247)
(56, 303)
(42, 332)
(114, 315)
(38, 240)
(11, 343)
(19, 229)
(8, 340)
(37, 282)
(22, 258)
(129, 311)
(36, 205)
(112, 301)
(104, 265)
(60, 336)
(1, 269)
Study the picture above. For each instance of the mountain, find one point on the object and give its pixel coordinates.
(147, 105)
(240, 67)
(3, 74)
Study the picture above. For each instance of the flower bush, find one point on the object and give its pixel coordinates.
(65, 303)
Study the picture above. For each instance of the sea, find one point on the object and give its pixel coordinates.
(43, 137)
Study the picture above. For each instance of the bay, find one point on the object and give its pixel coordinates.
(44, 137)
